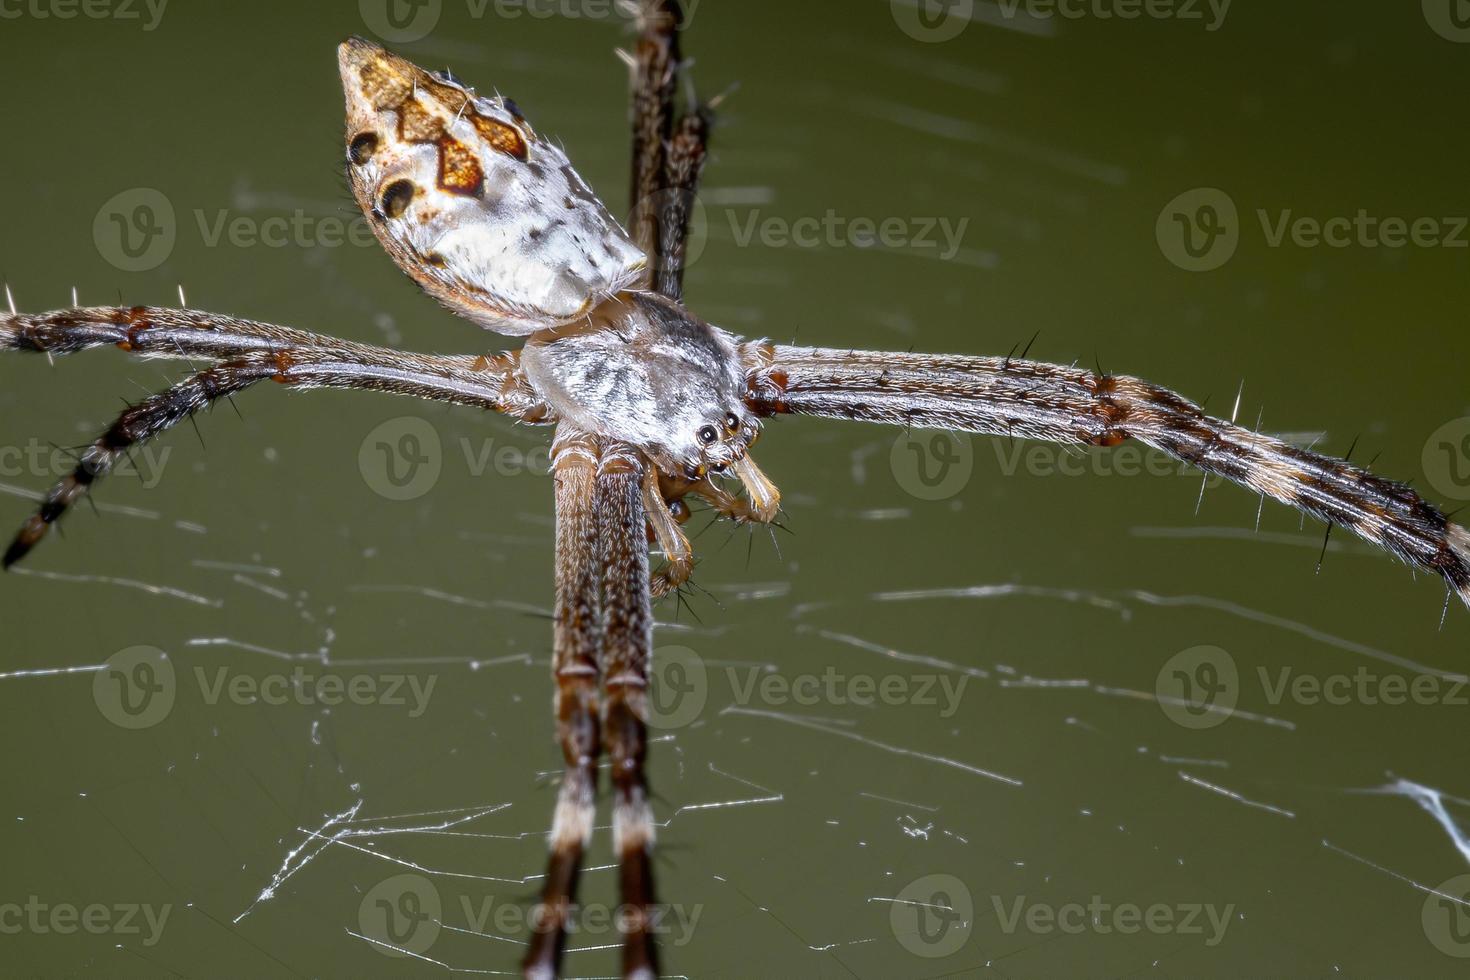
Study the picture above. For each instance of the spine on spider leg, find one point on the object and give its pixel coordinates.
(1032, 400)
(136, 425)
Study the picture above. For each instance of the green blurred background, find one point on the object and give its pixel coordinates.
(1063, 602)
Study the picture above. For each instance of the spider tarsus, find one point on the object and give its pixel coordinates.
(32, 531)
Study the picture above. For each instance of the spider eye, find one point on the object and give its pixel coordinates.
(708, 435)
(732, 422)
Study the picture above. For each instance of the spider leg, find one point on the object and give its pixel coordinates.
(627, 646)
(462, 380)
(139, 423)
(686, 157)
(670, 537)
(1032, 400)
(494, 381)
(148, 331)
(655, 69)
(576, 645)
(669, 149)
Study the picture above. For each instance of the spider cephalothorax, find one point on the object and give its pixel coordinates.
(649, 400)
(643, 370)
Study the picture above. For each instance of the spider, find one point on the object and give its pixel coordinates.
(650, 403)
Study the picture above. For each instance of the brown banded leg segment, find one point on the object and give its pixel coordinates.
(149, 331)
(655, 72)
(686, 156)
(627, 648)
(136, 425)
(495, 381)
(663, 519)
(576, 646)
(490, 383)
(1032, 400)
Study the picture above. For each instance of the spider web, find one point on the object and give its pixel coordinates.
(1038, 792)
(797, 822)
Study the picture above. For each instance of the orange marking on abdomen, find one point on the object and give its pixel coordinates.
(501, 136)
(459, 171)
